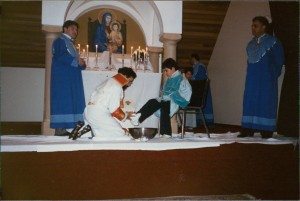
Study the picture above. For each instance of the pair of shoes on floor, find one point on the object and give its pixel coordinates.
(135, 119)
(63, 134)
(266, 134)
(246, 135)
(246, 132)
(76, 129)
(85, 130)
(165, 136)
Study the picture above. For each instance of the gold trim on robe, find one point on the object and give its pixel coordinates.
(121, 79)
(119, 114)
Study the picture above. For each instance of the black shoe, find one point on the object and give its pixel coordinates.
(76, 129)
(83, 131)
(246, 132)
(63, 134)
(266, 134)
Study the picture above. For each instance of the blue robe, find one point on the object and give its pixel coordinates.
(101, 37)
(200, 73)
(265, 61)
(67, 101)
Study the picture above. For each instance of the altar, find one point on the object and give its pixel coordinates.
(146, 86)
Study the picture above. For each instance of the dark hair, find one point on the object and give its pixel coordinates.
(70, 23)
(262, 20)
(169, 63)
(128, 72)
(188, 69)
(196, 56)
(265, 22)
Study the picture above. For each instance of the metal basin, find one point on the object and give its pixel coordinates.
(137, 133)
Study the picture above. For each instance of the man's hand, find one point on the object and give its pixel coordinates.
(130, 114)
(81, 61)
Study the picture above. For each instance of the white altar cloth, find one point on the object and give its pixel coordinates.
(117, 61)
(44, 143)
(143, 88)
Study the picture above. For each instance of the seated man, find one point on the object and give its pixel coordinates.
(176, 93)
(104, 108)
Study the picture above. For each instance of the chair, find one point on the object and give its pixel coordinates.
(92, 27)
(196, 105)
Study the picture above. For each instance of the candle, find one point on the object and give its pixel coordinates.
(123, 49)
(96, 51)
(79, 48)
(131, 50)
(87, 50)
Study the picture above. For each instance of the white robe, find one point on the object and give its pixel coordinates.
(105, 100)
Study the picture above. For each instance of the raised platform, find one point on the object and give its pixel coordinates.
(263, 171)
(44, 143)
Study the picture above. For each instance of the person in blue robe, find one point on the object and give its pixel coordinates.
(200, 73)
(67, 100)
(265, 60)
(102, 32)
(176, 93)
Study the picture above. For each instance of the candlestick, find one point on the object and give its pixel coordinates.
(87, 55)
(83, 53)
(96, 55)
(122, 55)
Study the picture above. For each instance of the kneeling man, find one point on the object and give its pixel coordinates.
(104, 108)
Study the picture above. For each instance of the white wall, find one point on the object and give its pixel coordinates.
(227, 66)
(22, 94)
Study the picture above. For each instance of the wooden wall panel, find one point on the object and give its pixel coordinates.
(22, 40)
(202, 21)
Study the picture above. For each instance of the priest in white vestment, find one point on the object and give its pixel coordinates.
(104, 112)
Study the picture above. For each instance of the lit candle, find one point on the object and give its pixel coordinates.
(131, 50)
(83, 53)
(79, 48)
(123, 49)
(87, 55)
(96, 51)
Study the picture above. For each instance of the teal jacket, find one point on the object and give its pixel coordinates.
(178, 91)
